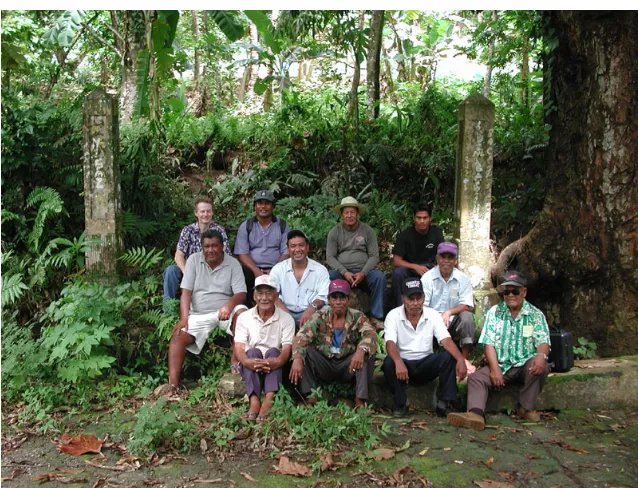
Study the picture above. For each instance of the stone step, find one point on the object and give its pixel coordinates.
(601, 383)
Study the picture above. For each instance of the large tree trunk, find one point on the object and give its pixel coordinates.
(134, 27)
(374, 63)
(525, 70)
(487, 81)
(585, 245)
(196, 66)
(353, 104)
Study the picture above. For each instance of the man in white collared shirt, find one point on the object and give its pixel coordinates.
(303, 283)
(409, 333)
(449, 292)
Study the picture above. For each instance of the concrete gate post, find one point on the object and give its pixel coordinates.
(472, 197)
(102, 194)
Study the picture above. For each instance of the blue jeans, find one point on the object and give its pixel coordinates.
(172, 279)
(375, 282)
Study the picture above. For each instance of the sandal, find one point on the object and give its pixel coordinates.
(235, 368)
(262, 418)
(250, 416)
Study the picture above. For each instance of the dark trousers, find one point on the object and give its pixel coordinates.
(249, 277)
(479, 383)
(256, 383)
(318, 367)
(440, 365)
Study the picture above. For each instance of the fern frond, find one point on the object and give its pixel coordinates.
(12, 288)
(141, 258)
(50, 203)
(8, 216)
(153, 317)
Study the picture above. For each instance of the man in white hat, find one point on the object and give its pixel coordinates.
(263, 341)
(352, 253)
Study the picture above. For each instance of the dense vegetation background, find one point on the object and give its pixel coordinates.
(314, 105)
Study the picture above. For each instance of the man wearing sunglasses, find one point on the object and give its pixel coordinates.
(516, 339)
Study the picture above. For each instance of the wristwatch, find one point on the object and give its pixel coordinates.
(366, 349)
(315, 306)
(544, 355)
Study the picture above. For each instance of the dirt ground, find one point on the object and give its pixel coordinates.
(568, 449)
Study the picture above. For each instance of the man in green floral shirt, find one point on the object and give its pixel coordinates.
(516, 339)
(336, 343)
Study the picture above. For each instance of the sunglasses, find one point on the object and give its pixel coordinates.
(516, 292)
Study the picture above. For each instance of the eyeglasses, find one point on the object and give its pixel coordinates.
(516, 292)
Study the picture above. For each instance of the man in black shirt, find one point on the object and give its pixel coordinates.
(415, 249)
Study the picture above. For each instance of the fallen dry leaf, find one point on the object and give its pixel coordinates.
(569, 447)
(506, 476)
(458, 462)
(149, 482)
(16, 472)
(247, 476)
(493, 437)
(492, 484)
(489, 461)
(216, 480)
(203, 446)
(98, 483)
(424, 451)
(69, 470)
(79, 444)
(447, 448)
(286, 466)
(381, 453)
(404, 474)
(124, 467)
(326, 461)
(532, 456)
(405, 446)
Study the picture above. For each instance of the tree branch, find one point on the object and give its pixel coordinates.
(103, 41)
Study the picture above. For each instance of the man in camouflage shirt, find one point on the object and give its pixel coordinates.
(516, 338)
(336, 343)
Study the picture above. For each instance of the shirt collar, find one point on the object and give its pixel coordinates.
(349, 319)
(274, 318)
(224, 262)
(437, 274)
(405, 318)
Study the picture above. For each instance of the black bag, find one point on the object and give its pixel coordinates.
(562, 352)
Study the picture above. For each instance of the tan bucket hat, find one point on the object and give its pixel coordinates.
(349, 202)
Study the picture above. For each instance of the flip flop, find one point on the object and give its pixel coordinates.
(262, 418)
(235, 368)
(250, 416)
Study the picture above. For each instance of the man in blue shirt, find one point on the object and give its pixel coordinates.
(261, 241)
(449, 292)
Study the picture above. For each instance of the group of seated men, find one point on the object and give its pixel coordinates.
(299, 309)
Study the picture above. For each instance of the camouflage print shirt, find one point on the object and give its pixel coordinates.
(317, 332)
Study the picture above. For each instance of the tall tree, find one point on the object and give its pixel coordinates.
(357, 49)
(487, 81)
(584, 246)
(133, 41)
(374, 62)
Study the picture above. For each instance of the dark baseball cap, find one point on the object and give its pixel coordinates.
(514, 278)
(264, 195)
(339, 286)
(411, 286)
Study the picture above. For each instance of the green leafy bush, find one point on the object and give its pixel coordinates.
(161, 424)
(585, 349)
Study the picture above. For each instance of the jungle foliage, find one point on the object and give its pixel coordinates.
(219, 111)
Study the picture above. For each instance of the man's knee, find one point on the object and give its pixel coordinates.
(334, 275)
(273, 352)
(399, 274)
(181, 340)
(254, 353)
(388, 364)
(377, 277)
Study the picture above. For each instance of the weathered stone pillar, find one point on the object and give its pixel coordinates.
(473, 194)
(102, 194)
